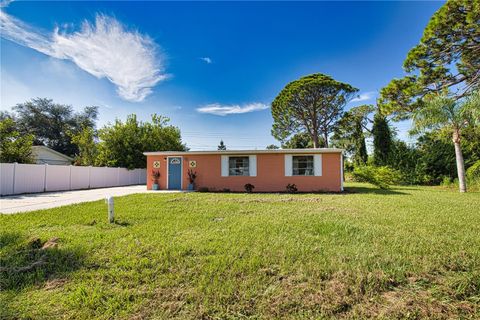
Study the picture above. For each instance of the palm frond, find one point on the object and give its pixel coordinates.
(438, 112)
(470, 109)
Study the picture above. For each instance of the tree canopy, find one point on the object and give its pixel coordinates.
(87, 146)
(447, 60)
(51, 123)
(449, 52)
(122, 144)
(300, 140)
(272, 147)
(14, 147)
(349, 134)
(311, 104)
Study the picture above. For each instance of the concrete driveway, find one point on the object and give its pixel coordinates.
(47, 200)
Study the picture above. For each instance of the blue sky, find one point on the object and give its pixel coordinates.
(212, 67)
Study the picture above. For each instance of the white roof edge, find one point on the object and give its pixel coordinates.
(226, 152)
(53, 151)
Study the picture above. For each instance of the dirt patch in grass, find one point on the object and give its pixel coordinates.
(275, 198)
(52, 243)
(180, 199)
(164, 302)
(413, 302)
(281, 200)
(333, 296)
(55, 284)
(347, 296)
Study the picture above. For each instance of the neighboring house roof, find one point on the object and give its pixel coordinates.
(38, 150)
(285, 151)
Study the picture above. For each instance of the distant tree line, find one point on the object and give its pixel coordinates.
(119, 144)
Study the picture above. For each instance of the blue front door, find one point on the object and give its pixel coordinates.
(174, 173)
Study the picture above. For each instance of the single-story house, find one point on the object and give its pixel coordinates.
(310, 170)
(42, 155)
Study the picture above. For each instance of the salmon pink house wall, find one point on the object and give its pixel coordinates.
(268, 170)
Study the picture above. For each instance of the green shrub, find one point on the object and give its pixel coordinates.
(447, 182)
(249, 187)
(473, 172)
(348, 166)
(382, 177)
(292, 188)
(473, 184)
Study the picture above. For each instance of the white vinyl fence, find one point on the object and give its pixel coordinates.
(16, 178)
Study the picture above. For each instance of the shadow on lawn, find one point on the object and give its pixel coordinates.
(373, 190)
(122, 223)
(25, 262)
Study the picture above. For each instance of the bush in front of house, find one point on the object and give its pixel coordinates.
(192, 175)
(249, 187)
(203, 189)
(155, 176)
(292, 188)
(382, 177)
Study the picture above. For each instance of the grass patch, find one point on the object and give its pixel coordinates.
(406, 252)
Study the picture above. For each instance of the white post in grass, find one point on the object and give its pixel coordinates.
(109, 200)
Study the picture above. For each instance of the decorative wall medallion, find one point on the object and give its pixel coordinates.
(156, 164)
(193, 164)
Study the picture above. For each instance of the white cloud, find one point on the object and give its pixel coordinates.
(15, 30)
(105, 49)
(223, 110)
(5, 3)
(364, 96)
(207, 60)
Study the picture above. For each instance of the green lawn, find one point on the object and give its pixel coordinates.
(411, 252)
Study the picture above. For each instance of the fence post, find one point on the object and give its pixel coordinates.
(89, 183)
(70, 177)
(45, 178)
(118, 177)
(14, 176)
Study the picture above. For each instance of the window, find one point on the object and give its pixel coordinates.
(302, 166)
(238, 166)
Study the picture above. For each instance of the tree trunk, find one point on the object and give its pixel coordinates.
(325, 137)
(460, 163)
(315, 140)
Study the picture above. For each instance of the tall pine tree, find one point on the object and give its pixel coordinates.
(360, 156)
(350, 132)
(382, 140)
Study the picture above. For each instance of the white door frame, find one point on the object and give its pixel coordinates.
(181, 170)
